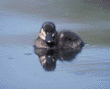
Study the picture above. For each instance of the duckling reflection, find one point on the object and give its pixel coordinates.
(67, 54)
(48, 57)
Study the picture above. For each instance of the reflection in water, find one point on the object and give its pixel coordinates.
(48, 57)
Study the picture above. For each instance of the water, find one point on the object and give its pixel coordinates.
(20, 67)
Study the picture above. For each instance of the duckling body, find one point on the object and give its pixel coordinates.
(49, 38)
(68, 39)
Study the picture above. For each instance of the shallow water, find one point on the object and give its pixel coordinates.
(20, 67)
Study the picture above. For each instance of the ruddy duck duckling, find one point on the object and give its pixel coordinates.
(49, 38)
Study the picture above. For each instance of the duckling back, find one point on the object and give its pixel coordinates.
(68, 39)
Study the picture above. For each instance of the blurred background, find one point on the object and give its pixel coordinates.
(79, 10)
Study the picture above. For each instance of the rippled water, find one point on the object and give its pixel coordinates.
(20, 67)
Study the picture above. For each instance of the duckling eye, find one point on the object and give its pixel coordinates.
(53, 35)
(53, 60)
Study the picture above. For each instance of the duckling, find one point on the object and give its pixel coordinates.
(49, 38)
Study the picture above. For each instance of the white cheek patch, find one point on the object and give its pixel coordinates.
(42, 34)
(43, 60)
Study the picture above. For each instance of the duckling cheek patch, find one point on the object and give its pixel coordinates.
(42, 34)
(43, 60)
(42, 37)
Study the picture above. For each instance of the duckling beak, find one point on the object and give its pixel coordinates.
(49, 38)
